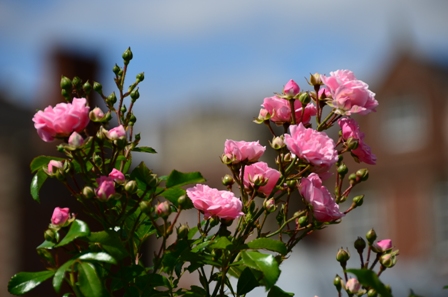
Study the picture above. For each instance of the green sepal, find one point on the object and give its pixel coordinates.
(36, 183)
(24, 282)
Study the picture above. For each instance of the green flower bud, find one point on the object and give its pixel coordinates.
(181, 200)
(88, 192)
(116, 69)
(145, 206)
(127, 56)
(302, 221)
(140, 77)
(371, 236)
(87, 87)
(76, 82)
(135, 95)
(182, 231)
(342, 256)
(352, 179)
(227, 180)
(304, 98)
(137, 137)
(389, 260)
(65, 83)
(362, 174)
(131, 187)
(65, 94)
(269, 205)
(112, 99)
(132, 120)
(97, 87)
(360, 244)
(372, 293)
(123, 109)
(358, 200)
(340, 159)
(337, 281)
(342, 170)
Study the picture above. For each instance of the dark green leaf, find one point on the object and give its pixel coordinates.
(101, 257)
(144, 149)
(88, 281)
(42, 161)
(36, 183)
(131, 292)
(173, 194)
(369, 278)
(247, 282)
(24, 282)
(177, 178)
(144, 177)
(127, 163)
(77, 229)
(46, 245)
(277, 292)
(59, 275)
(268, 244)
(221, 243)
(264, 263)
(110, 242)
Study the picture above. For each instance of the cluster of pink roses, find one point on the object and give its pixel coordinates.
(106, 184)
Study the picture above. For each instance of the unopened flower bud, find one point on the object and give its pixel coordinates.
(87, 87)
(60, 216)
(382, 246)
(76, 82)
(358, 200)
(50, 235)
(88, 192)
(371, 236)
(315, 79)
(305, 98)
(372, 293)
(132, 120)
(362, 174)
(353, 286)
(75, 140)
(116, 69)
(145, 206)
(182, 231)
(112, 99)
(291, 88)
(278, 142)
(337, 282)
(360, 244)
(352, 143)
(342, 170)
(140, 77)
(388, 260)
(135, 95)
(181, 200)
(352, 178)
(65, 94)
(97, 115)
(66, 83)
(127, 56)
(302, 221)
(227, 180)
(342, 256)
(163, 209)
(123, 109)
(97, 87)
(131, 187)
(291, 183)
(269, 205)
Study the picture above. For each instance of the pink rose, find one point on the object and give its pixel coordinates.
(61, 120)
(325, 209)
(117, 176)
(115, 133)
(60, 216)
(353, 286)
(106, 188)
(350, 129)
(96, 114)
(313, 146)
(163, 209)
(382, 245)
(242, 151)
(261, 173)
(348, 94)
(215, 203)
(280, 110)
(54, 165)
(291, 88)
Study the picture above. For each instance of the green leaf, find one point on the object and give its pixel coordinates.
(144, 177)
(412, 294)
(221, 243)
(268, 244)
(446, 287)
(173, 194)
(144, 149)
(24, 282)
(101, 257)
(264, 263)
(110, 242)
(177, 178)
(59, 275)
(277, 292)
(77, 229)
(36, 183)
(369, 278)
(46, 245)
(42, 161)
(88, 281)
(127, 162)
(247, 282)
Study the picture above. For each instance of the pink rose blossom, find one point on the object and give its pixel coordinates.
(242, 151)
(106, 187)
(348, 94)
(325, 209)
(261, 172)
(215, 203)
(60, 216)
(117, 176)
(54, 165)
(280, 111)
(116, 133)
(313, 146)
(61, 120)
(96, 114)
(353, 286)
(163, 209)
(382, 245)
(75, 140)
(291, 88)
(350, 129)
